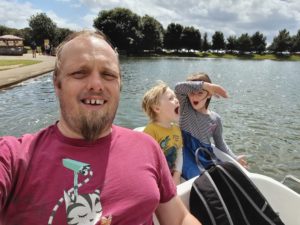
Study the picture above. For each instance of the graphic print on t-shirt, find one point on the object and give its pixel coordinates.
(169, 151)
(81, 209)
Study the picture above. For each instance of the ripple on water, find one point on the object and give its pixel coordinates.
(261, 117)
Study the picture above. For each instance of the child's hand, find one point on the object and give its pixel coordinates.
(241, 159)
(215, 90)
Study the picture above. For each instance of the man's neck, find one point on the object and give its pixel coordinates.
(70, 133)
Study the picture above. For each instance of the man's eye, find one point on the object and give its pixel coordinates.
(109, 76)
(78, 74)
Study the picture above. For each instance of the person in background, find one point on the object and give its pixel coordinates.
(162, 108)
(33, 49)
(83, 169)
(200, 125)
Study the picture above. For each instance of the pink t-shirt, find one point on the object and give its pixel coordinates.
(128, 177)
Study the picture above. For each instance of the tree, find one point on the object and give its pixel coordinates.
(25, 33)
(122, 26)
(296, 42)
(244, 43)
(152, 32)
(205, 44)
(258, 41)
(42, 27)
(60, 35)
(191, 38)
(218, 40)
(282, 42)
(4, 30)
(232, 43)
(172, 36)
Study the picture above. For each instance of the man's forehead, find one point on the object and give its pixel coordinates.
(84, 42)
(87, 45)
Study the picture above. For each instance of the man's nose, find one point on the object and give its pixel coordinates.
(95, 81)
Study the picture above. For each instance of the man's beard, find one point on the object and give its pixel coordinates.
(93, 125)
(90, 125)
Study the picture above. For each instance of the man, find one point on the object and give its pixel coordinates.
(83, 169)
(33, 49)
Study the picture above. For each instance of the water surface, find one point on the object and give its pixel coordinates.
(261, 117)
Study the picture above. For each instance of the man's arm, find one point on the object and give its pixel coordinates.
(6, 160)
(174, 212)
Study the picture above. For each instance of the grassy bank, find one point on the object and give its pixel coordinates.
(253, 57)
(232, 56)
(6, 64)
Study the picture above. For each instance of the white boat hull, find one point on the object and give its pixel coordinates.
(283, 200)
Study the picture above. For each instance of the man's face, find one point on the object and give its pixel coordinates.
(88, 88)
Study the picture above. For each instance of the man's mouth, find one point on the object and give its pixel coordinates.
(195, 102)
(93, 101)
(177, 110)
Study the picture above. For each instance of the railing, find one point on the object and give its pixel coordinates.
(291, 177)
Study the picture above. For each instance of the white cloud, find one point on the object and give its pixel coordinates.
(88, 21)
(232, 17)
(16, 15)
(62, 22)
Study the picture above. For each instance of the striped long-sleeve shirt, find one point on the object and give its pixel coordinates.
(198, 126)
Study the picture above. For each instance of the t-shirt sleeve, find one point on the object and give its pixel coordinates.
(6, 171)
(166, 184)
(13, 164)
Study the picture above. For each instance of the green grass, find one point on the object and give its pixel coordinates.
(251, 57)
(10, 63)
(232, 56)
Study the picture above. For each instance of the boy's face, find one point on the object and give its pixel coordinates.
(168, 108)
(198, 100)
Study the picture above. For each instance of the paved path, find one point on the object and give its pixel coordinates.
(13, 76)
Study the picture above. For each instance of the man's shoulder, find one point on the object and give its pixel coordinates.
(15, 143)
(130, 133)
(11, 141)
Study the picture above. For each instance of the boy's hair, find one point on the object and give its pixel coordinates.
(151, 98)
(200, 77)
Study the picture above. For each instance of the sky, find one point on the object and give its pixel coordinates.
(231, 17)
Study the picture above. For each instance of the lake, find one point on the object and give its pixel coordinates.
(261, 118)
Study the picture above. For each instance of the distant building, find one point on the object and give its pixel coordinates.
(11, 45)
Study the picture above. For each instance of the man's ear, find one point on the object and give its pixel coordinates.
(56, 84)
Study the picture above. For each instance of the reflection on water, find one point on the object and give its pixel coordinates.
(261, 117)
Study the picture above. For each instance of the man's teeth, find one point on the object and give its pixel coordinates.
(93, 101)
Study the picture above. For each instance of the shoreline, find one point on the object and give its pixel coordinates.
(14, 76)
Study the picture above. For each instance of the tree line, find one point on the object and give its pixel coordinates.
(133, 33)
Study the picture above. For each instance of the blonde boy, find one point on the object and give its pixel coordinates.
(162, 107)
